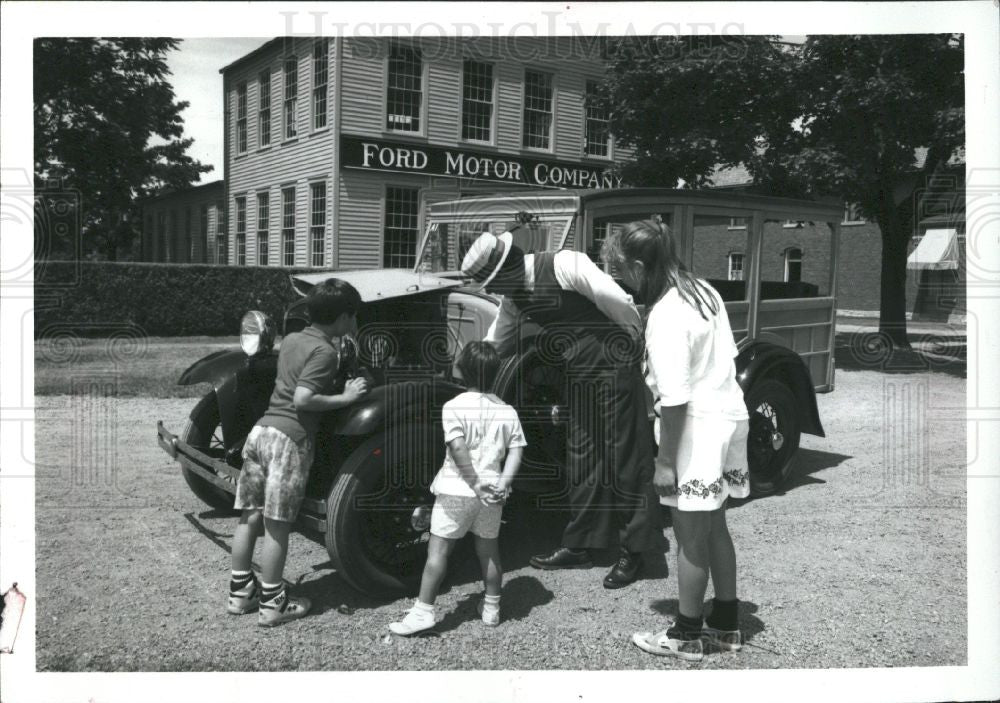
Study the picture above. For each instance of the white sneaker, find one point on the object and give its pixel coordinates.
(282, 609)
(725, 640)
(490, 616)
(662, 645)
(416, 620)
(246, 600)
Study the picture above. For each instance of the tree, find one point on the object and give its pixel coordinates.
(867, 119)
(107, 126)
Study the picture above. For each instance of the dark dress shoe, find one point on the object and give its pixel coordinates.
(562, 558)
(625, 570)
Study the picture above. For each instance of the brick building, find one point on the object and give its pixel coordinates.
(186, 226)
(802, 249)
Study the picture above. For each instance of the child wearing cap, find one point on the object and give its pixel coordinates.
(480, 431)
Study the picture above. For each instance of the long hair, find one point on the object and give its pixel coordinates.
(653, 244)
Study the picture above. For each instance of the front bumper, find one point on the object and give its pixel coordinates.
(212, 470)
(312, 514)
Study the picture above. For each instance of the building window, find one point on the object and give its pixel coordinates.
(241, 118)
(735, 266)
(597, 138)
(288, 226)
(188, 234)
(852, 214)
(317, 222)
(404, 97)
(320, 74)
(737, 223)
(291, 96)
(400, 239)
(537, 126)
(477, 101)
(263, 227)
(793, 265)
(241, 231)
(264, 108)
(221, 245)
(203, 231)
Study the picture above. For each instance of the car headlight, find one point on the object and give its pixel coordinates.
(257, 333)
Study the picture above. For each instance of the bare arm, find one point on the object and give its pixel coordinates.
(510, 466)
(308, 400)
(672, 421)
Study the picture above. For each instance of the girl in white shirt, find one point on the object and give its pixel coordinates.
(702, 432)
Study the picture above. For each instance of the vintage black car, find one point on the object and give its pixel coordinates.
(368, 490)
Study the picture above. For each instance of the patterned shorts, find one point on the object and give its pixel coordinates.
(711, 464)
(274, 475)
(454, 516)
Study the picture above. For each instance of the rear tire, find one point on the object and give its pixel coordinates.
(203, 431)
(774, 436)
(536, 388)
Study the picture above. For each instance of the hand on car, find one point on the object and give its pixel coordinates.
(355, 388)
(664, 479)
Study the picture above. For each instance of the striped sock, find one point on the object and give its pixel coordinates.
(270, 591)
(240, 580)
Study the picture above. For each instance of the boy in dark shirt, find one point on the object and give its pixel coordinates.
(279, 451)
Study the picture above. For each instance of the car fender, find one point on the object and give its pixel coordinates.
(399, 401)
(760, 360)
(242, 386)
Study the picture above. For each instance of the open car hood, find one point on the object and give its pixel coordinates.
(377, 284)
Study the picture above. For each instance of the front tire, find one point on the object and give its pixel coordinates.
(774, 436)
(378, 510)
(203, 431)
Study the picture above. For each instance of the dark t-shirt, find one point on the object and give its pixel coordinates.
(307, 359)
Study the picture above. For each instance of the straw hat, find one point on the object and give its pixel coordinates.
(486, 256)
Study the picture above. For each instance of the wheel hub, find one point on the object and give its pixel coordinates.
(420, 518)
(777, 440)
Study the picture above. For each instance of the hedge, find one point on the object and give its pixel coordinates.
(93, 298)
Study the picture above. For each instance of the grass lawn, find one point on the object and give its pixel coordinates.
(148, 367)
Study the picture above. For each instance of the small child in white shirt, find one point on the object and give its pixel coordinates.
(479, 429)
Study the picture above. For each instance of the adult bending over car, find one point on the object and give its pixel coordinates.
(594, 328)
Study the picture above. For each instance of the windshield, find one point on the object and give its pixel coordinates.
(446, 241)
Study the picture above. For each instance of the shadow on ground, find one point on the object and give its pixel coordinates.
(807, 463)
(869, 351)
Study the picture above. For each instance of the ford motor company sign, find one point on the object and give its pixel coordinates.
(379, 155)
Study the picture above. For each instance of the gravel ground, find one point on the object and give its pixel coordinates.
(860, 563)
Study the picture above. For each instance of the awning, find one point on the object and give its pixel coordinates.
(936, 251)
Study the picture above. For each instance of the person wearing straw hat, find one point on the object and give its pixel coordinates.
(591, 326)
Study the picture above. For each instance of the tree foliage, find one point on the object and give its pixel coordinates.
(865, 119)
(108, 127)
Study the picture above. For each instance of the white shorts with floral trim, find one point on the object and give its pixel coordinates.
(711, 464)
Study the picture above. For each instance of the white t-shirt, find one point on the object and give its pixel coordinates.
(690, 359)
(490, 427)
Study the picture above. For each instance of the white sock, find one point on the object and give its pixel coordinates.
(491, 602)
(426, 607)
